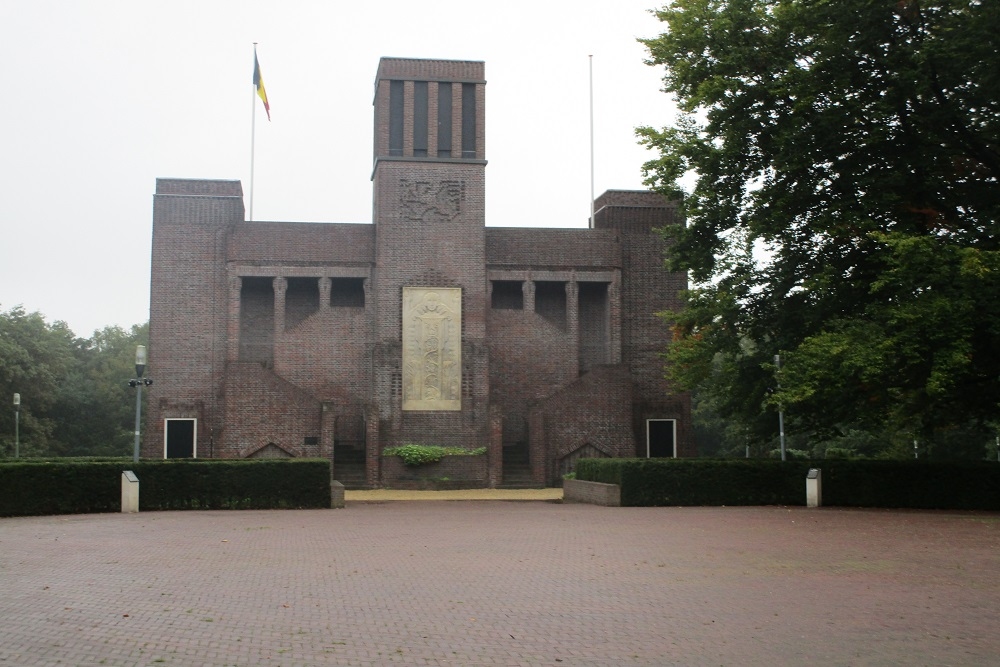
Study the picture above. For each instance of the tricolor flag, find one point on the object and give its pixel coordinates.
(258, 83)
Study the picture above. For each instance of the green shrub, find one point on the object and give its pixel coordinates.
(839, 453)
(847, 483)
(67, 486)
(418, 455)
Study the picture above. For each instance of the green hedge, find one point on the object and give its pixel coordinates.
(846, 483)
(67, 486)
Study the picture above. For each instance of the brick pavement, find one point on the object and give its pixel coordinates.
(501, 583)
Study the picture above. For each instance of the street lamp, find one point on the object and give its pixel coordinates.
(138, 382)
(17, 426)
(781, 411)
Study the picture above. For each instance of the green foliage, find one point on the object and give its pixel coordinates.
(844, 213)
(75, 398)
(848, 483)
(658, 482)
(71, 486)
(417, 455)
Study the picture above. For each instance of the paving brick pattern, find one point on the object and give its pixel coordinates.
(501, 583)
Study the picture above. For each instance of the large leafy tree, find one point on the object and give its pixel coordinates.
(96, 407)
(838, 162)
(34, 358)
(75, 398)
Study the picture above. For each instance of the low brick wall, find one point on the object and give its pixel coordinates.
(451, 472)
(594, 493)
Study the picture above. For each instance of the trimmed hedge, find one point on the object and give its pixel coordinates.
(67, 486)
(846, 483)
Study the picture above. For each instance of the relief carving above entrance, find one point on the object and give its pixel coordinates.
(431, 201)
(432, 348)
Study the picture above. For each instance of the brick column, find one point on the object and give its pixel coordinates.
(528, 289)
(280, 285)
(456, 119)
(573, 321)
(432, 117)
(233, 322)
(324, 294)
(615, 317)
(327, 432)
(538, 453)
(494, 474)
(371, 448)
(407, 119)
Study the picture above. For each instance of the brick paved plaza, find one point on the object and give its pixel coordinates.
(502, 583)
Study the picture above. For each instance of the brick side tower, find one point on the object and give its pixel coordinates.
(636, 216)
(430, 364)
(192, 220)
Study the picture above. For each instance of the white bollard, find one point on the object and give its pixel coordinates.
(130, 492)
(814, 487)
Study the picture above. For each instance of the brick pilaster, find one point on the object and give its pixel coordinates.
(233, 321)
(573, 320)
(615, 316)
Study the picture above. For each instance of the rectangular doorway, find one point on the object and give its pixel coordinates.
(180, 438)
(661, 438)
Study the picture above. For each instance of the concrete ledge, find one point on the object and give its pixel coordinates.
(336, 494)
(594, 493)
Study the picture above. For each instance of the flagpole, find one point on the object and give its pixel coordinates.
(591, 223)
(253, 132)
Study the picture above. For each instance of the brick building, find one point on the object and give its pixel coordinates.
(339, 340)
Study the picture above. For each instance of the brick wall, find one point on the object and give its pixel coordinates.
(263, 408)
(595, 410)
(449, 472)
(647, 289)
(188, 296)
(245, 337)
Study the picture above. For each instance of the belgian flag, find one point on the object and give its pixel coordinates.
(258, 83)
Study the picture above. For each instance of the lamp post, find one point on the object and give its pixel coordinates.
(17, 426)
(138, 382)
(781, 412)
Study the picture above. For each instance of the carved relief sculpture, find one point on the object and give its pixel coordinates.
(429, 201)
(432, 348)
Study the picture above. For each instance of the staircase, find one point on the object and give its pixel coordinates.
(349, 467)
(517, 468)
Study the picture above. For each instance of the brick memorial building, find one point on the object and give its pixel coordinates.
(283, 339)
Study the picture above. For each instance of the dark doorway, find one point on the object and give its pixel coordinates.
(661, 438)
(180, 437)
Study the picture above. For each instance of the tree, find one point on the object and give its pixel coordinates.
(34, 359)
(844, 212)
(97, 407)
(75, 398)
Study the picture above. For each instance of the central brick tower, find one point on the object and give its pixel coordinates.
(431, 366)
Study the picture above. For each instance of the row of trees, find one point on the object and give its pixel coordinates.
(75, 398)
(845, 161)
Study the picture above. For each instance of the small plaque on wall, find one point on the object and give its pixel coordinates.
(432, 348)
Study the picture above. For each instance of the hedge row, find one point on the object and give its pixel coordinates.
(32, 487)
(846, 483)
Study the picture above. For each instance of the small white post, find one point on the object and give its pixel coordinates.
(130, 492)
(814, 488)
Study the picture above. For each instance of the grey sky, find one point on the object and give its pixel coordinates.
(102, 97)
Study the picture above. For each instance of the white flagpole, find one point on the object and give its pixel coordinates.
(253, 130)
(591, 224)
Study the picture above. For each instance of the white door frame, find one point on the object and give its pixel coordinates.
(674, 454)
(166, 426)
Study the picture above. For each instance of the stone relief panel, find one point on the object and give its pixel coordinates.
(432, 348)
(431, 201)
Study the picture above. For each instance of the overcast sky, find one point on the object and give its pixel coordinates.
(101, 97)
